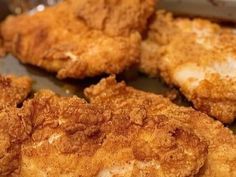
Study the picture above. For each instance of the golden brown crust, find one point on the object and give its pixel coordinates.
(123, 100)
(15, 128)
(13, 90)
(64, 131)
(216, 96)
(149, 55)
(199, 57)
(221, 158)
(70, 137)
(15, 125)
(59, 41)
(115, 17)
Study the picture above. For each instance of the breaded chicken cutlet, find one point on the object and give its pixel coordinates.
(72, 138)
(13, 90)
(115, 17)
(14, 126)
(79, 39)
(197, 56)
(119, 98)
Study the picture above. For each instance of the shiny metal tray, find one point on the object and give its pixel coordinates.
(214, 9)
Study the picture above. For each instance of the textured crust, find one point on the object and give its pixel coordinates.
(70, 137)
(199, 57)
(124, 100)
(13, 90)
(115, 17)
(221, 158)
(66, 134)
(15, 128)
(60, 41)
(217, 97)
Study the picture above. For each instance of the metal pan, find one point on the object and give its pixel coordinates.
(215, 9)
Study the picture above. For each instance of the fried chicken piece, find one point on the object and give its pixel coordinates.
(115, 17)
(199, 57)
(15, 127)
(221, 158)
(60, 41)
(13, 90)
(73, 138)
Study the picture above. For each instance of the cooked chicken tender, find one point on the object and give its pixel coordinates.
(70, 137)
(197, 56)
(15, 127)
(115, 17)
(221, 157)
(13, 90)
(61, 40)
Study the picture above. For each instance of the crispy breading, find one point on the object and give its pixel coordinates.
(15, 127)
(199, 57)
(115, 17)
(66, 132)
(221, 158)
(13, 90)
(60, 41)
(72, 138)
